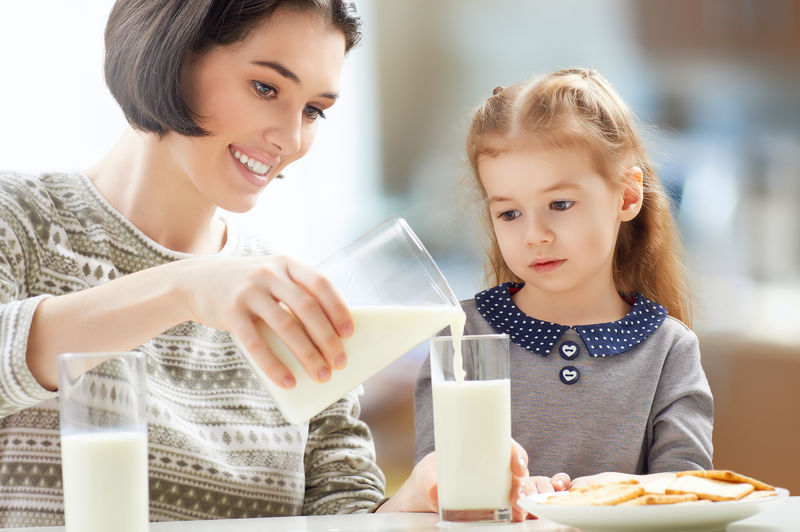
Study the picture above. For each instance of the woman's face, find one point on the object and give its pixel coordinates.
(262, 99)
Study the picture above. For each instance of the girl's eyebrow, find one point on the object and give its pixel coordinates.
(291, 76)
(553, 188)
(562, 186)
(495, 199)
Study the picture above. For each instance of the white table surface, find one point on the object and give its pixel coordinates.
(784, 517)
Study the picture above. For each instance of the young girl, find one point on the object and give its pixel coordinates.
(605, 373)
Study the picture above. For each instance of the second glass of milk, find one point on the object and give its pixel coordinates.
(472, 426)
(104, 441)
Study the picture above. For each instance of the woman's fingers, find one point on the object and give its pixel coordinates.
(325, 293)
(337, 322)
(307, 333)
(257, 347)
(294, 336)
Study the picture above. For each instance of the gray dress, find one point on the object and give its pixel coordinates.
(629, 396)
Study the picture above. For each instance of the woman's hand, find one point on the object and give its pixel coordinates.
(232, 293)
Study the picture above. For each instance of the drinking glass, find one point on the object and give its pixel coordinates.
(472, 426)
(104, 441)
(397, 297)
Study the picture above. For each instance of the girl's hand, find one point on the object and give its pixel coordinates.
(542, 484)
(231, 293)
(420, 492)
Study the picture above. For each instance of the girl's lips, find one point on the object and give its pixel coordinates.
(546, 266)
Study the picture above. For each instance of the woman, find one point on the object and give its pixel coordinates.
(221, 96)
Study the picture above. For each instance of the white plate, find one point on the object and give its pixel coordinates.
(696, 517)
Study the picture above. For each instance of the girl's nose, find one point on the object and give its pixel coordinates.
(537, 231)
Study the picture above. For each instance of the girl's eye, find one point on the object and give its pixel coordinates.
(263, 90)
(561, 205)
(509, 215)
(312, 113)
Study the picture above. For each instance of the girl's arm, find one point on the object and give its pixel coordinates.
(223, 293)
(682, 414)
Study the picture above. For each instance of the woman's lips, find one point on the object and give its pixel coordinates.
(547, 265)
(254, 169)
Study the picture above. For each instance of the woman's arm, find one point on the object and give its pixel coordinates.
(224, 293)
(341, 473)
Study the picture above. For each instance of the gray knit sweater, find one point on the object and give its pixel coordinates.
(218, 446)
(640, 409)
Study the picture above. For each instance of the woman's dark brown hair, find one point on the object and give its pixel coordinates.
(147, 42)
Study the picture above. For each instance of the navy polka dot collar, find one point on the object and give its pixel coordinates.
(603, 339)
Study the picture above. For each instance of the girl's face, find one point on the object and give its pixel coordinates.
(555, 219)
(262, 100)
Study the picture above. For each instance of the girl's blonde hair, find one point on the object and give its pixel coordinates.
(579, 108)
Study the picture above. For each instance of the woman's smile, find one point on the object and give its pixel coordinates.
(255, 168)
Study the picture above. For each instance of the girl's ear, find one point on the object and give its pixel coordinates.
(632, 194)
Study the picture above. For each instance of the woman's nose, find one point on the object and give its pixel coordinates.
(285, 134)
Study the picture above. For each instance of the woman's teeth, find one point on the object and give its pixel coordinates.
(257, 167)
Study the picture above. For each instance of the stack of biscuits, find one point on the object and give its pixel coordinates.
(685, 487)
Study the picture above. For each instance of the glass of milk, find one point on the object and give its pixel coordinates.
(472, 426)
(397, 297)
(103, 441)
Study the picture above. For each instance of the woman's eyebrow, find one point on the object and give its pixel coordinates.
(291, 76)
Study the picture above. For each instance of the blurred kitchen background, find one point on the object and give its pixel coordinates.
(716, 84)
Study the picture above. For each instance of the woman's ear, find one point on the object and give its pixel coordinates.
(632, 194)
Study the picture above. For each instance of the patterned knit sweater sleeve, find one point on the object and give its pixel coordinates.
(23, 228)
(342, 475)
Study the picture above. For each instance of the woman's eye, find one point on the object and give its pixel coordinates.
(561, 205)
(509, 215)
(312, 113)
(264, 90)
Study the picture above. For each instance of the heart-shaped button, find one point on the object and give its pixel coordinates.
(569, 375)
(569, 350)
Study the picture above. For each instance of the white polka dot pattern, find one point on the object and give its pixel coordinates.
(603, 339)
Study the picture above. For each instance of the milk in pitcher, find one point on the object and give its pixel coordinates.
(381, 335)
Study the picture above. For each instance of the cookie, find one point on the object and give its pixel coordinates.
(728, 476)
(658, 498)
(709, 488)
(598, 495)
